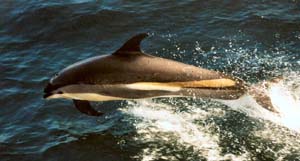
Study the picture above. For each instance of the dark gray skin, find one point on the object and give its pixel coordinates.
(129, 65)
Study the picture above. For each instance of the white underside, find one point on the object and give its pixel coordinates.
(98, 97)
(85, 96)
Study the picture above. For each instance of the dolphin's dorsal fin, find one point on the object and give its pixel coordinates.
(132, 46)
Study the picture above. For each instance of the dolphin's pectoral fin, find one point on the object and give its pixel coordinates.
(85, 107)
(132, 46)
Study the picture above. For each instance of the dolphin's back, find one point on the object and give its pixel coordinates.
(116, 69)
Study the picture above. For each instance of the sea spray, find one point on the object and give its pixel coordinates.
(159, 123)
(283, 98)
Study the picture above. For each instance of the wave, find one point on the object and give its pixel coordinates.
(65, 22)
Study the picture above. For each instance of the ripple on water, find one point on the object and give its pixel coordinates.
(254, 41)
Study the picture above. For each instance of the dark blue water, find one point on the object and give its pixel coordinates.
(254, 40)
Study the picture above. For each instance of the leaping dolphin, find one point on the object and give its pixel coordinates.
(129, 73)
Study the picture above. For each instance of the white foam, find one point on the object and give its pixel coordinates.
(161, 124)
(283, 98)
(287, 104)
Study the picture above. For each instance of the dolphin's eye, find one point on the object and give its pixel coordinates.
(60, 92)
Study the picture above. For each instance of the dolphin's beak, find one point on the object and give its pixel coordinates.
(47, 95)
(48, 91)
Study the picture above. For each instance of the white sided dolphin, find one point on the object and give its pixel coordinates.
(129, 73)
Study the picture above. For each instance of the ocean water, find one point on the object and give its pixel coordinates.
(253, 40)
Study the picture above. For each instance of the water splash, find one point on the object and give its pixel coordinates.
(160, 125)
(284, 96)
(287, 101)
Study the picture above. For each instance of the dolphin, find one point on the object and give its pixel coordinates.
(129, 73)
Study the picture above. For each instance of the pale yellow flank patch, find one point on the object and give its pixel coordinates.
(213, 83)
(153, 86)
(175, 86)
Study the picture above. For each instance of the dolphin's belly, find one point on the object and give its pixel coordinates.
(112, 92)
(141, 90)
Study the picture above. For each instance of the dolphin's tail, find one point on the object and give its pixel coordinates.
(260, 93)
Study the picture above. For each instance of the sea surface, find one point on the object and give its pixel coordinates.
(253, 40)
